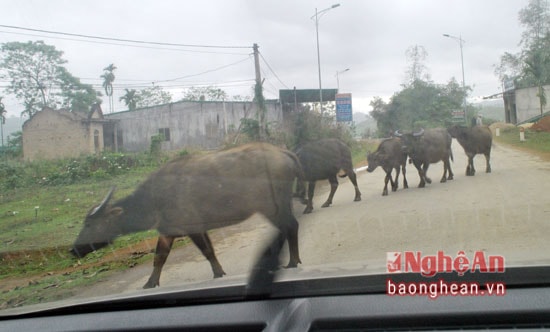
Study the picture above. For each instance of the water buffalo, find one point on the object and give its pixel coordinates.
(427, 147)
(192, 195)
(389, 155)
(323, 159)
(474, 140)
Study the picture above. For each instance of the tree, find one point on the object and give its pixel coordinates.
(208, 93)
(537, 71)
(417, 71)
(153, 96)
(108, 79)
(420, 105)
(535, 17)
(3, 112)
(131, 99)
(38, 77)
(76, 96)
(509, 67)
(530, 67)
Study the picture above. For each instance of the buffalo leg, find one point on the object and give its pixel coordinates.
(418, 166)
(292, 238)
(310, 191)
(425, 171)
(404, 171)
(446, 168)
(333, 186)
(301, 191)
(164, 245)
(202, 241)
(450, 175)
(261, 277)
(262, 274)
(395, 184)
(488, 164)
(353, 178)
(470, 170)
(386, 180)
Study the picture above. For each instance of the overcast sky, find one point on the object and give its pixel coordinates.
(368, 37)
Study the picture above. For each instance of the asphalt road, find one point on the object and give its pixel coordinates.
(506, 212)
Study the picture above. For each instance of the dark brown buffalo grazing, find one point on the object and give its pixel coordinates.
(427, 147)
(192, 195)
(475, 140)
(323, 159)
(389, 156)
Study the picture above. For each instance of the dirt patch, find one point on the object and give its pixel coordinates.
(542, 125)
(24, 257)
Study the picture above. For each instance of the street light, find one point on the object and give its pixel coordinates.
(460, 42)
(337, 80)
(317, 16)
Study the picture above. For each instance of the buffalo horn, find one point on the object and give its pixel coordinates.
(420, 133)
(103, 203)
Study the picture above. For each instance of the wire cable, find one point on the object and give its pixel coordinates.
(118, 39)
(271, 69)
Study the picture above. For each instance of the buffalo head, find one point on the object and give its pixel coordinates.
(100, 228)
(408, 138)
(373, 161)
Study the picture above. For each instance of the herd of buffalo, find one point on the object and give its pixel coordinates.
(193, 194)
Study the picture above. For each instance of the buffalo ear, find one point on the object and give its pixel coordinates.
(116, 211)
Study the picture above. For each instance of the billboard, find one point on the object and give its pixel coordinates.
(343, 107)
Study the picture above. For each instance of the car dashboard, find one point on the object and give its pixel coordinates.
(352, 303)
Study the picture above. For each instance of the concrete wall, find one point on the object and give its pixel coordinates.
(52, 134)
(202, 125)
(528, 104)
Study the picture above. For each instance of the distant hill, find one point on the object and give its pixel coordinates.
(365, 125)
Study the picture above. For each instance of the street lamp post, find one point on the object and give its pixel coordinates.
(317, 16)
(461, 42)
(337, 79)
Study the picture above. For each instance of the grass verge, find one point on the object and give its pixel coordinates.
(535, 142)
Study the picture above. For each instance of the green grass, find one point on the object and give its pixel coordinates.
(44, 216)
(534, 141)
(360, 149)
(39, 223)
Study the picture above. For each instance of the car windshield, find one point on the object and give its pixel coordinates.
(165, 144)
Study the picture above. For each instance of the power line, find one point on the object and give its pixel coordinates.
(268, 66)
(204, 72)
(124, 45)
(119, 39)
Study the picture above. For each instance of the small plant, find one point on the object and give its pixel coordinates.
(156, 145)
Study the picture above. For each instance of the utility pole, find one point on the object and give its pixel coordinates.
(258, 92)
(257, 63)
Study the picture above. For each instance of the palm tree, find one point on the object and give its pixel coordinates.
(108, 79)
(2, 119)
(130, 99)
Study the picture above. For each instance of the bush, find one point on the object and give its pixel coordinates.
(12, 176)
(62, 172)
(310, 126)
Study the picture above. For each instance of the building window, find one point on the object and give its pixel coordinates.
(165, 132)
